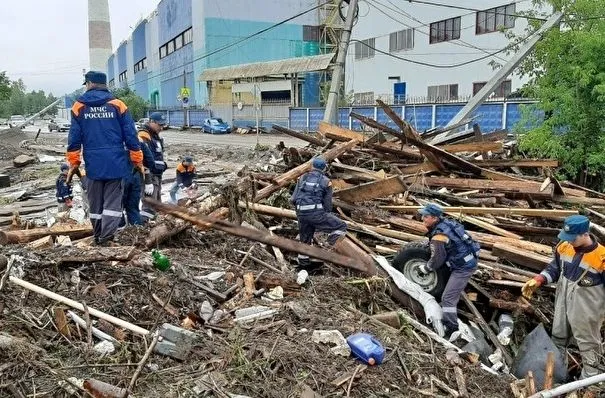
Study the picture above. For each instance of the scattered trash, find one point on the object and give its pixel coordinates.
(505, 325)
(104, 348)
(366, 348)
(341, 347)
(277, 293)
(75, 277)
(69, 385)
(206, 311)
(160, 261)
(253, 313)
(213, 276)
(302, 276)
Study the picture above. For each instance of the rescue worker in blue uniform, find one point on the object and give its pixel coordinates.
(312, 199)
(64, 192)
(149, 135)
(578, 267)
(450, 246)
(133, 183)
(185, 173)
(101, 127)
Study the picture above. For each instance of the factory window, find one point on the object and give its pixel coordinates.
(139, 66)
(122, 77)
(504, 89)
(494, 19)
(443, 92)
(402, 40)
(446, 30)
(187, 36)
(176, 43)
(111, 83)
(365, 48)
(366, 98)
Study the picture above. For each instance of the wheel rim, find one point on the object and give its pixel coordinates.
(411, 272)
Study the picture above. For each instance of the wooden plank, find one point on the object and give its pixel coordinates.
(539, 163)
(523, 187)
(97, 254)
(301, 136)
(29, 235)
(485, 225)
(296, 172)
(519, 256)
(369, 174)
(372, 190)
(479, 138)
(505, 211)
(473, 147)
(575, 200)
(410, 133)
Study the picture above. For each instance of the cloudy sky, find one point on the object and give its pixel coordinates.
(45, 43)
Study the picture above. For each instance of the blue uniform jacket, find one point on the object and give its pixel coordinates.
(461, 250)
(184, 175)
(313, 189)
(101, 126)
(585, 265)
(64, 191)
(155, 144)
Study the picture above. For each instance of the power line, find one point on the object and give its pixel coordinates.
(477, 9)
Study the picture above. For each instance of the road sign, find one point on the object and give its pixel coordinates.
(185, 92)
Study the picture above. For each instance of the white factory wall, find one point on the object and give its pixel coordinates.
(372, 74)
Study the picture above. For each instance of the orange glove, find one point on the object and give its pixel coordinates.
(532, 285)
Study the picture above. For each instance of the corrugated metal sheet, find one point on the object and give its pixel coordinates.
(284, 66)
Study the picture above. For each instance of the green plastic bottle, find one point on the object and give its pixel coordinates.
(160, 261)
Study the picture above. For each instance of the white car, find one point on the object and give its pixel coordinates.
(16, 120)
(59, 125)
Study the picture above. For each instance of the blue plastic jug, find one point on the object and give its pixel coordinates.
(365, 347)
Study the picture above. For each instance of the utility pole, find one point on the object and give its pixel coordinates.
(338, 70)
(185, 109)
(256, 106)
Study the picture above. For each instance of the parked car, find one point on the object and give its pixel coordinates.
(216, 126)
(139, 125)
(16, 120)
(59, 125)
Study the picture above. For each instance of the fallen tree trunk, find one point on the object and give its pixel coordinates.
(29, 235)
(301, 136)
(98, 254)
(296, 172)
(259, 236)
(505, 211)
(522, 257)
(168, 229)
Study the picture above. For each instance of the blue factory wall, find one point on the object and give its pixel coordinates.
(110, 68)
(139, 51)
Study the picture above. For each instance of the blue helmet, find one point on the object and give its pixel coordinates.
(64, 167)
(431, 209)
(319, 164)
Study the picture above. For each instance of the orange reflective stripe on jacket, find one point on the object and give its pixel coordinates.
(120, 105)
(136, 157)
(181, 169)
(77, 108)
(144, 136)
(593, 261)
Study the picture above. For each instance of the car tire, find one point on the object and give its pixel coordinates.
(410, 257)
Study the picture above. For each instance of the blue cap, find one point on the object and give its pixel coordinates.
(319, 164)
(157, 117)
(95, 77)
(188, 159)
(64, 167)
(574, 226)
(431, 209)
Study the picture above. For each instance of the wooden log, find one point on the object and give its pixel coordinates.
(372, 190)
(549, 370)
(487, 330)
(43, 243)
(485, 225)
(301, 136)
(479, 138)
(29, 235)
(506, 211)
(575, 200)
(260, 236)
(523, 187)
(519, 256)
(530, 383)
(97, 254)
(26, 209)
(450, 198)
(370, 175)
(461, 382)
(166, 230)
(296, 172)
(537, 163)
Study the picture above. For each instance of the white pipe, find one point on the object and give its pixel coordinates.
(74, 304)
(96, 332)
(569, 387)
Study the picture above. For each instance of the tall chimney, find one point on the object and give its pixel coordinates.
(99, 34)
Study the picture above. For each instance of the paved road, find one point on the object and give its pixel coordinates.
(172, 137)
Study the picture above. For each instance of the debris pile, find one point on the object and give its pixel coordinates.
(207, 301)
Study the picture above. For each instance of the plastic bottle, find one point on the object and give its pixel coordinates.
(365, 347)
(505, 325)
(160, 261)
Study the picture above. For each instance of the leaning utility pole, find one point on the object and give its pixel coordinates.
(506, 70)
(338, 70)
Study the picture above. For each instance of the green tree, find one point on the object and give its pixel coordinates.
(567, 76)
(5, 86)
(136, 104)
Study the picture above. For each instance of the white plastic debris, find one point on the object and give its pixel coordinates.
(341, 347)
(69, 385)
(79, 215)
(104, 348)
(218, 316)
(206, 311)
(302, 276)
(277, 293)
(253, 313)
(75, 277)
(213, 276)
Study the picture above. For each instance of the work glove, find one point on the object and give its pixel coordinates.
(140, 169)
(68, 202)
(148, 189)
(532, 285)
(424, 269)
(181, 186)
(73, 170)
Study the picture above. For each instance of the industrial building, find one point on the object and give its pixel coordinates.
(408, 52)
(168, 51)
